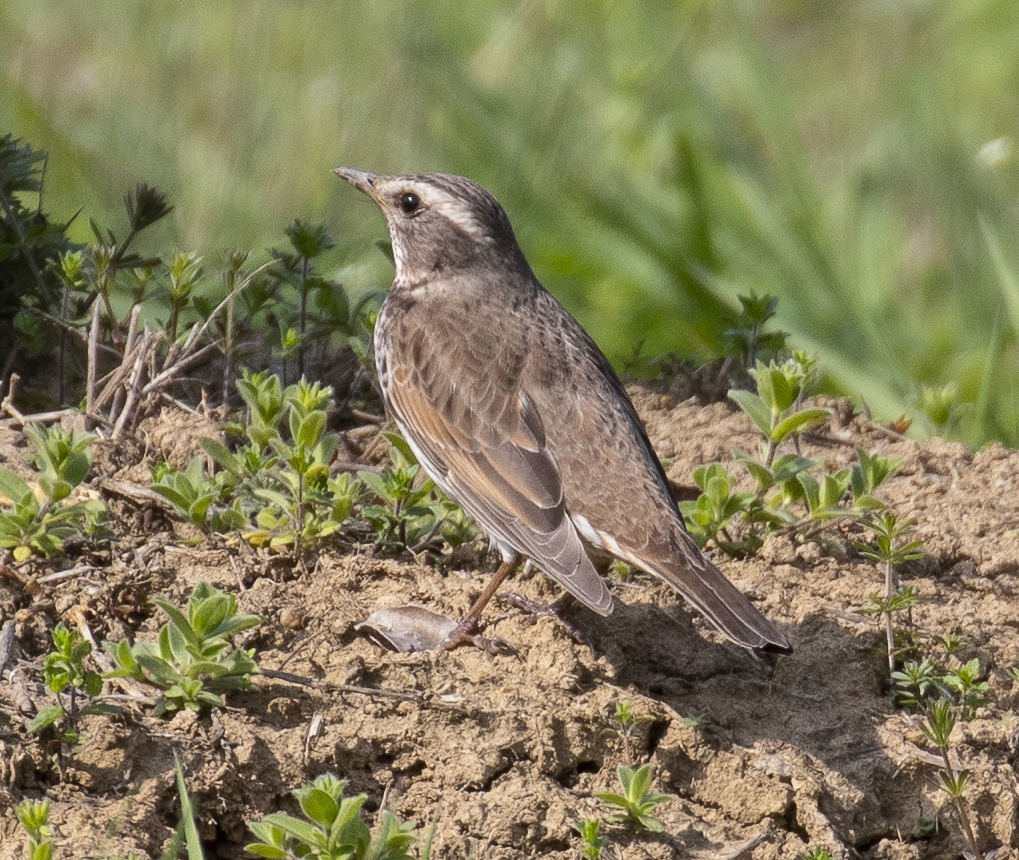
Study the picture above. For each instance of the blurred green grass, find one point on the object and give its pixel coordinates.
(657, 158)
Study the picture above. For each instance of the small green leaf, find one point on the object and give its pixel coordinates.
(47, 716)
(798, 421)
(755, 407)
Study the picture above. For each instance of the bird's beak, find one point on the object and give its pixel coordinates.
(362, 180)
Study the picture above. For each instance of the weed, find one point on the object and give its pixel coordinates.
(29, 291)
(792, 492)
(194, 659)
(1013, 670)
(718, 505)
(746, 342)
(815, 853)
(408, 513)
(637, 801)
(323, 312)
(889, 551)
(187, 828)
(190, 492)
(590, 831)
(33, 816)
(937, 727)
(64, 674)
(624, 724)
(773, 408)
(699, 724)
(29, 525)
(332, 829)
(942, 408)
(944, 696)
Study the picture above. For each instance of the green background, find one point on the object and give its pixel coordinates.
(856, 159)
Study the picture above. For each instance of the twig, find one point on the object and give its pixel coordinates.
(166, 375)
(39, 417)
(133, 492)
(242, 285)
(135, 385)
(8, 402)
(416, 698)
(65, 574)
(6, 643)
(93, 348)
(368, 416)
(746, 846)
(132, 336)
(112, 382)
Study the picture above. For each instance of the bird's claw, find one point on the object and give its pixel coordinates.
(466, 632)
(558, 609)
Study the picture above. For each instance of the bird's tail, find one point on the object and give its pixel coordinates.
(693, 575)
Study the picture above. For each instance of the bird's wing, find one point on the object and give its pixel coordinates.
(487, 449)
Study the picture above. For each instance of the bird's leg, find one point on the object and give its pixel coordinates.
(468, 629)
(558, 609)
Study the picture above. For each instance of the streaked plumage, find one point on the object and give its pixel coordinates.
(515, 412)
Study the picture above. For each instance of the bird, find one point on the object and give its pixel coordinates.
(515, 412)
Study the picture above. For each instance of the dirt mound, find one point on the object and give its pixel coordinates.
(804, 751)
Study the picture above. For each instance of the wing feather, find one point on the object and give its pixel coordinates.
(490, 455)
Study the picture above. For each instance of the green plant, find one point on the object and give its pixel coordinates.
(281, 481)
(304, 466)
(943, 696)
(919, 684)
(324, 313)
(187, 829)
(64, 673)
(773, 408)
(1013, 670)
(966, 689)
(191, 493)
(937, 727)
(889, 551)
(792, 493)
(29, 291)
(624, 724)
(700, 724)
(194, 660)
(746, 341)
(637, 801)
(815, 853)
(29, 525)
(590, 831)
(275, 489)
(717, 507)
(941, 406)
(409, 513)
(332, 829)
(33, 815)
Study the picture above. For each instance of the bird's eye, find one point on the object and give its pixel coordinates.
(409, 202)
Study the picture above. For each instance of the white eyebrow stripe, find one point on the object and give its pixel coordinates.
(457, 211)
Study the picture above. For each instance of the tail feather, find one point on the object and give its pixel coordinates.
(694, 576)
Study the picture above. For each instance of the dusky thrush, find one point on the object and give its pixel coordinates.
(515, 412)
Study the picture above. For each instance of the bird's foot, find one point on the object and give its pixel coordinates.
(558, 609)
(468, 633)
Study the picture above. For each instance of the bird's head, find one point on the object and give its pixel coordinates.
(439, 224)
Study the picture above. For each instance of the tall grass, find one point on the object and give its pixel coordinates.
(658, 158)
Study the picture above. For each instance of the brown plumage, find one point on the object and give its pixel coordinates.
(515, 412)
